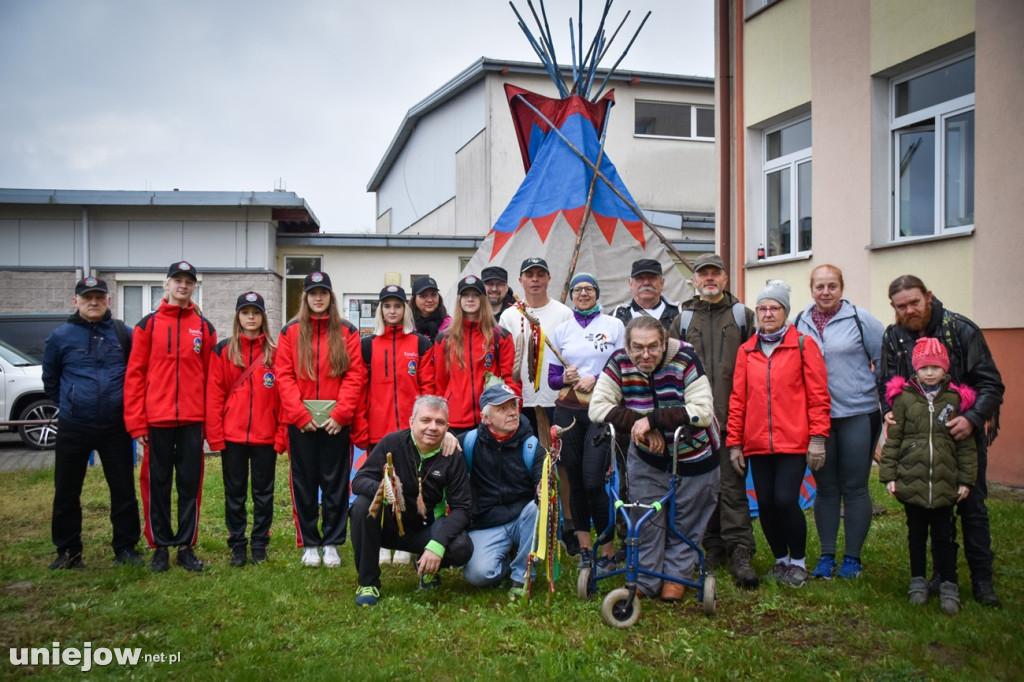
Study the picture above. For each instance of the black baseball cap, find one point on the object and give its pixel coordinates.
(423, 283)
(87, 284)
(251, 298)
(494, 272)
(393, 291)
(472, 282)
(317, 279)
(182, 267)
(534, 262)
(648, 265)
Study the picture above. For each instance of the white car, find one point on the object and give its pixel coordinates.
(22, 398)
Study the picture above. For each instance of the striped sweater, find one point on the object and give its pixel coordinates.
(676, 394)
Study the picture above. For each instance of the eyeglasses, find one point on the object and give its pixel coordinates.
(583, 290)
(645, 350)
(773, 309)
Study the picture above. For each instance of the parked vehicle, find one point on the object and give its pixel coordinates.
(22, 398)
(28, 331)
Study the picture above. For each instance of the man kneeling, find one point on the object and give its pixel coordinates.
(505, 469)
(428, 481)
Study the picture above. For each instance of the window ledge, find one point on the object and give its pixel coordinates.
(673, 138)
(969, 232)
(777, 260)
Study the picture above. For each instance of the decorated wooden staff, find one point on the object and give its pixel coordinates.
(390, 492)
(545, 537)
(536, 340)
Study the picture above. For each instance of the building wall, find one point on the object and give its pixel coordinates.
(37, 291)
(900, 31)
(472, 212)
(776, 60)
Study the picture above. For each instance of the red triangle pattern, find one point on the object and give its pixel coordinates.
(607, 226)
(636, 228)
(574, 216)
(500, 239)
(543, 225)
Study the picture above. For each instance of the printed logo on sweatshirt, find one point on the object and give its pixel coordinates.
(600, 341)
(412, 368)
(268, 379)
(197, 344)
(488, 360)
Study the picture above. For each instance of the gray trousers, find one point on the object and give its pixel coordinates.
(660, 550)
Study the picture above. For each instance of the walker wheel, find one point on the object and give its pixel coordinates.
(618, 611)
(709, 594)
(583, 587)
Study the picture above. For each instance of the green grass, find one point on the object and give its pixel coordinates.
(281, 620)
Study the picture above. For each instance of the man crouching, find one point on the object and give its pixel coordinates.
(505, 469)
(425, 480)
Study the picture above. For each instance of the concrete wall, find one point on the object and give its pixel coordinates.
(34, 291)
(902, 30)
(776, 60)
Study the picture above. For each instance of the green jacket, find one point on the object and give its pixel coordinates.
(919, 454)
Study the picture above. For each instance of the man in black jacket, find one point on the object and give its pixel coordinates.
(920, 314)
(505, 470)
(646, 282)
(429, 481)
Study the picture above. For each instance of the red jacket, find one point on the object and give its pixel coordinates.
(401, 368)
(778, 403)
(295, 387)
(462, 387)
(246, 413)
(165, 384)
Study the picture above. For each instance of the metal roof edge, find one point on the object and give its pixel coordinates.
(368, 240)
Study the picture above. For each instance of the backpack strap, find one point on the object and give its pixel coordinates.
(860, 328)
(530, 452)
(685, 317)
(367, 344)
(122, 336)
(739, 316)
(467, 448)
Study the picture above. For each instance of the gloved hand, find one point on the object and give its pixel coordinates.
(816, 453)
(737, 460)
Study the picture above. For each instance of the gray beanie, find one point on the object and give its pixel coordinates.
(777, 290)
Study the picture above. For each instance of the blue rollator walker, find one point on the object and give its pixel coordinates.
(620, 607)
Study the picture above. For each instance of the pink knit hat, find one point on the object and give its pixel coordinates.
(929, 352)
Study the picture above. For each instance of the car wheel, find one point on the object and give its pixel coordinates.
(39, 436)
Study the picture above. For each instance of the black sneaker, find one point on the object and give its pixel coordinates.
(66, 561)
(161, 560)
(188, 560)
(570, 542)
(128, 557)
(238, 556)
(985, 593)
(259, 555)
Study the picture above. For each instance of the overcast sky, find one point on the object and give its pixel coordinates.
(239, 95)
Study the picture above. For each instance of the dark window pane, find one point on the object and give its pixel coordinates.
(778, 216)
(661, 118)
(803, 193)
(917, 182)
(935, 87)
(301, 265)
(789, 139)
(960, 170)
(705, 122)
(292, 297)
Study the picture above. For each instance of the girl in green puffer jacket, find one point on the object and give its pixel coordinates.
(926, 469)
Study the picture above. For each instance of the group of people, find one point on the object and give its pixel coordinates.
(456, 413)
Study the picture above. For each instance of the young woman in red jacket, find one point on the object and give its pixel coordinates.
(472, 349)
(164, 409)
(779, 418)
(321, 382)
(242, 407)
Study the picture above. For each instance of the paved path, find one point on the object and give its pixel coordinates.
(14, 456)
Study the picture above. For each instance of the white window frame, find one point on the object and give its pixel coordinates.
(148, 281)
(936, 116)
(693, 120)
(792, 161)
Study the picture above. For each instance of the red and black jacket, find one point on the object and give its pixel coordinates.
(401, 368)
(241, 411)
(165, 384)
(462, 386)
(295, 387)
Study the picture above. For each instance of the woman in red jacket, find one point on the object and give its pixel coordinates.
(472, 350)
(242, 407)
(779, 418)
(164, 409)
(321, 383)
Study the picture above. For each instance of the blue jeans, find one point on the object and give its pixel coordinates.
(492, 548)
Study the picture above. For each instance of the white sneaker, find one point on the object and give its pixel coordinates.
(311, 556)
(331, 558)
(385, 556)
(401, 557)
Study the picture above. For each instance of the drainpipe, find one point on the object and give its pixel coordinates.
(740, 175)
(85, 241)
(723, 82)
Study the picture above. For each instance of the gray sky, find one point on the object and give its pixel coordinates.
(234, 94)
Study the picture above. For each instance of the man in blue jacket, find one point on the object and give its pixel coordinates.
(83, 372)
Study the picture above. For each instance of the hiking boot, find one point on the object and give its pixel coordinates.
(605, 564)
(128, 557)
(715, 557)
(742, 571)
(949, 597)
(517, 591)
(311, 557)
(331, 558)
(188, 560)
(933, 585)
(161, 560)
(775, 573)
(384, 557)
(430, 581)
(850, 570)
(66, 561)
(570, 542)
(985, 593)
(918, 591)
(259, 555)
(238, 557)
(794, 576)
(671, 592)
(367, 596)
(401, 557)
(826, 567)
